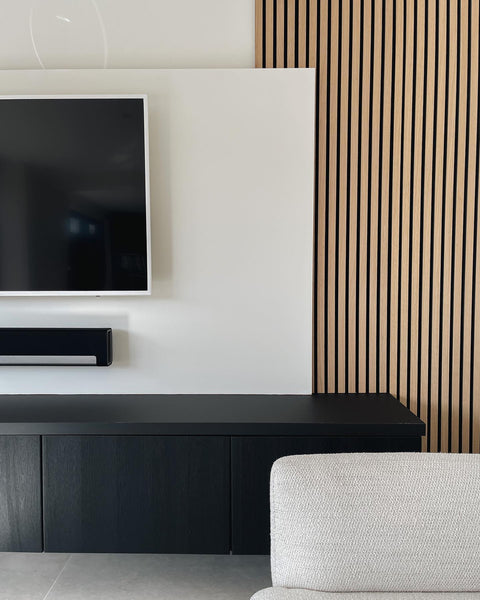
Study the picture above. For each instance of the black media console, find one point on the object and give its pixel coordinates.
(167, 473)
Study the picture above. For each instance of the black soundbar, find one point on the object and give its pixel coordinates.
(56, 346)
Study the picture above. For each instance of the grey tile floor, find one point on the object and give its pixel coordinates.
(131, 576)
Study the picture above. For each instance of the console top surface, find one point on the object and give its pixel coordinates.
(218, 414)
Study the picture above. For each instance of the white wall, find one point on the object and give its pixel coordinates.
(126, 33)
(232, 196)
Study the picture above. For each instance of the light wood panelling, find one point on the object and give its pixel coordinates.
(397, 189)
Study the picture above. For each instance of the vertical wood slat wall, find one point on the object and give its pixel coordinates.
(397, 196)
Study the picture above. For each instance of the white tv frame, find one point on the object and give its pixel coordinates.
(148, 291)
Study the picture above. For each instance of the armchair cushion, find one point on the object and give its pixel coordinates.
(395, 522)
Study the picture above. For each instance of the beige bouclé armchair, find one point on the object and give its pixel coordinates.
(395, 526)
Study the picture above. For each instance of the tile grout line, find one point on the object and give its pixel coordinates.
(57, 578)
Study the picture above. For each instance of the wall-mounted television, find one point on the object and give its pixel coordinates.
(74, 195)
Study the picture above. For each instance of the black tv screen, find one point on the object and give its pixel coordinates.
(74, 207)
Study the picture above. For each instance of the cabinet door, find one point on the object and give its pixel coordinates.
(136, 494)
(252, 459)
(20, 494)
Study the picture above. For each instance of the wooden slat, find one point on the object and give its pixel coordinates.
(352, 292)
(416, 207)
(428, 196)
(341, 186)
(384, 198)
(269, 31)
(322, 120)
(302, 33)
(457, 402)
(374, 195)
(312, 35)
(331, 198)
(449, 223)
(280, 33)
(437, 290)
(291, 33)
(258, 33)
(473, 276)
(404, 379)
(363, 258)
(471, 126)
(396, 199)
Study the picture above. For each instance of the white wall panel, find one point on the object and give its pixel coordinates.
(231, 160)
